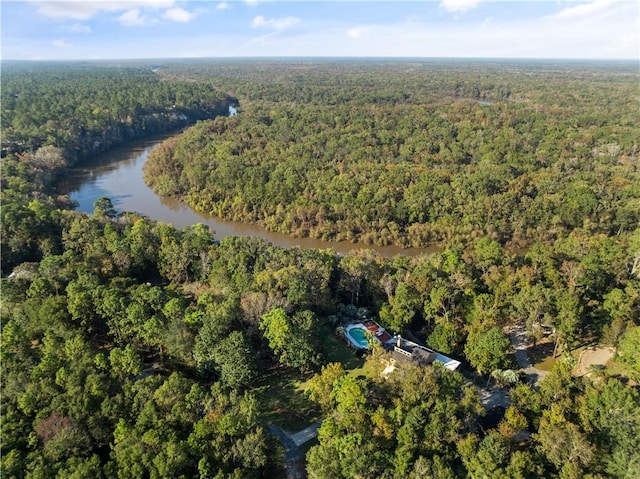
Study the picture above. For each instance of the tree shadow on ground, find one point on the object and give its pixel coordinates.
(541, 355)
(283, 400)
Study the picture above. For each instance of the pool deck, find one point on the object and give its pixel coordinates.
(378, 331)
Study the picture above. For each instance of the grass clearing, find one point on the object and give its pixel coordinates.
(337, 351)
(283, 400)
(282, 391)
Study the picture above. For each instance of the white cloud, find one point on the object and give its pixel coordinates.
(222, 6)
(612, 34)
(178, 14)
(459, 6)
(83, 10)
(275, 23)
(61, 43)
(585, 29)
(77, 28)
(355, 32)
(584, 9)
(75, 10)
(131, 18)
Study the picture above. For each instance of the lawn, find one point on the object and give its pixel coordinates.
(283, 400)
(281, 391)
(337, 351)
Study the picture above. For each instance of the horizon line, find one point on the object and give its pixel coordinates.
(334, 57)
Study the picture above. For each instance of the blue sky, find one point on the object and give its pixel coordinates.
(95, 29)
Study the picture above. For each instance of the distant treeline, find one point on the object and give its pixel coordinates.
(85, 109)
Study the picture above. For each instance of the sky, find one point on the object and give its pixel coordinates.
(97, 29)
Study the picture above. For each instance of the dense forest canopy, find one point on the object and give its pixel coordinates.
(415, 153)
(132, 349)
(86, 108)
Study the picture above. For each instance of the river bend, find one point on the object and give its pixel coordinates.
(117, 174)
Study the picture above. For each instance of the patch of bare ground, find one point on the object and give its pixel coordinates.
(593, 356)
(197, 289)
(541, 354)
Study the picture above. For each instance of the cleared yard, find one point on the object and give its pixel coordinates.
(593, 356)
(281, 391)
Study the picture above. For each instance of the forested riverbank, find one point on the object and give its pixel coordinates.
(118, 174)
(411, 153)
(131, 348)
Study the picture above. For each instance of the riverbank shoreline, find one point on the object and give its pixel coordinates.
(117, 174)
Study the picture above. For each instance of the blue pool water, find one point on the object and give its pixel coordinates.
(358, 336)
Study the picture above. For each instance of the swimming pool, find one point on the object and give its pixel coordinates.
(357, 337)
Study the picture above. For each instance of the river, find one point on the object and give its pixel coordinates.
(117, 175)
